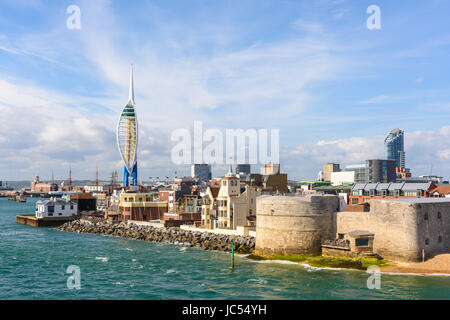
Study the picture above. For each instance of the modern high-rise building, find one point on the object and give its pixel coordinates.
(127, 137)
(380, 170)
(201, 171)
(243, 168)
(394, 147)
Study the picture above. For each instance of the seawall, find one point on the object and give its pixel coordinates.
(201, 240)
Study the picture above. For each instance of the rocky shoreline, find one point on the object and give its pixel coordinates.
(195, 239)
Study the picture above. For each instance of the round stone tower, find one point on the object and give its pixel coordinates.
(294, 224)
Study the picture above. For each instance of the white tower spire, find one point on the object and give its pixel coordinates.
(131, 93)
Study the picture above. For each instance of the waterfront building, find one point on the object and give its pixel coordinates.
(174, 193)
(364, 192)
(127, 137)
(202, 172)
(380, 170)
(86, 201)
(394, 147)
(209, 207)
(38, 186)
(56, 208)
(233, 206)
(141, 207)
(100, 201)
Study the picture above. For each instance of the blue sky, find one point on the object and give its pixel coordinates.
(313, 69)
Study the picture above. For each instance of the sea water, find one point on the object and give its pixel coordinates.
(34, 261)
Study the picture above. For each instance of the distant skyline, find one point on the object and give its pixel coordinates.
(334, 88)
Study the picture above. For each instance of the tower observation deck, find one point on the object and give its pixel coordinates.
(127, 137)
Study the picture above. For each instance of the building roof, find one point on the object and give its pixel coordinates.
(416, 186)
(396, 186)
(58, 202)
(215, 192)
(416, 200)
(441, 189)
(404, 186)
(359, 233)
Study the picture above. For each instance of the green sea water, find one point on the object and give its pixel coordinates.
(33, 264)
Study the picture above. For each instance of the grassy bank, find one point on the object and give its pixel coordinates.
(360, 263)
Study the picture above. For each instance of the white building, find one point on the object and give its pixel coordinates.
(56, 208)
(94, 188)
(339, 178)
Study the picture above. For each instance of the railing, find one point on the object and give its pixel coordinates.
(337, 243)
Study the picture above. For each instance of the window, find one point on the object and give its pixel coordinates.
(362, 242)
(427, 241)
(71, 207)
(50, 214)
(224, 183)
(60, 214)
(51, 209)
(63, 207)
(440, 239)
(439, 215)
(425, 216)
(355, 201)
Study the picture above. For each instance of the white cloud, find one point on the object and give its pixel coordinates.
(425, 150)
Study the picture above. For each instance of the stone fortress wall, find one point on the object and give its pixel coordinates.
(404, 230)
(294, 225)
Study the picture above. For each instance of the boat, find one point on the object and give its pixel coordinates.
(21, 198)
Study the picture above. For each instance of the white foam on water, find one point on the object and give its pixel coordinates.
(134, 260)
(170, 271)
(183, 249)
(103, 259)
(417, 274)
(260, 281)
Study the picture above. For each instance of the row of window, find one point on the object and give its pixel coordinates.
(391, 193)
(139, 199)
(233, 183)
(222, 203)
(427, 241)
(59, 214)
(52, 208)
(425, 216)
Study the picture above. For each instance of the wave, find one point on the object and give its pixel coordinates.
(103, 259)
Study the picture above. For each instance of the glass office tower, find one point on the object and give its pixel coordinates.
(394, 148)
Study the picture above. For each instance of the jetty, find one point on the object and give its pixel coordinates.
(31, 220)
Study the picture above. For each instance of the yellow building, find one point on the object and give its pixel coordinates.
(141, 207)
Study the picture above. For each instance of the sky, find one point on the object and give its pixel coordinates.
(312, 69)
